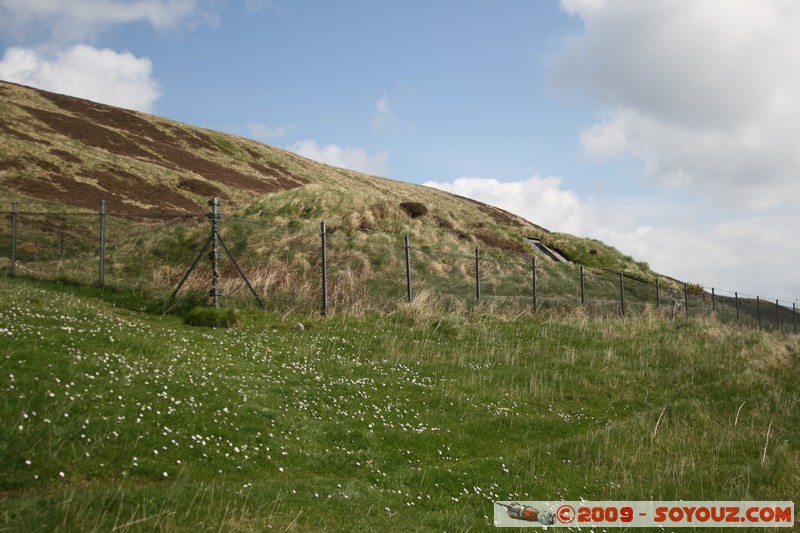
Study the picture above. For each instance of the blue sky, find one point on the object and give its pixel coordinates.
(664, 128)
(465, 86)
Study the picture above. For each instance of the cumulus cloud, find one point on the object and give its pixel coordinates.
(62, 21)
(383, 118)
(58, 64)
(349, 157)
(706, 94)
(101, 75)
(538, 199)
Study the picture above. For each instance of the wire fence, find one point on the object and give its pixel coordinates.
(301, 267)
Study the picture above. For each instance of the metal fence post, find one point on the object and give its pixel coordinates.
(102, 279)
(533, 276)
(622, 293)
(583, 287)
(777, 319)
(686, 298)
(736, 297)
(758, 311)
(408, 271)
(794, 317)
(214, 255)
(477, 275)
(13, 238)
(713, 300)
(323, 235)
(658, 292)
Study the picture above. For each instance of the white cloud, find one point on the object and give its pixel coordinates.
(706, 94)
(697, 244)
(349, 157)
(266, 133)
(59, 64)
(540, 200)
(101, 75)
(732, 254)
(383, 118)
(64, 21)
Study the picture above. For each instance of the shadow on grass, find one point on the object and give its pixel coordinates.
(121, 297)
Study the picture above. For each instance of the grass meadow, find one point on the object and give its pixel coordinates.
(118, 419)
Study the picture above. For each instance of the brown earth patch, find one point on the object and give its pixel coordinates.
(89, 133)
(183, 160)
(11, 164)
(253, 153)
(270, 169)
(114, 185)
(144, 131)
(44, 165)
(122, 185)
(132, 135)
(194, 140)
(285, 184)
(500, 216)
(109, 117)
(202, 188)
(448, 225)
(284, 179)
(161, 146)
(66, 156)
(497, 241)
(22, 136)
(52, 189)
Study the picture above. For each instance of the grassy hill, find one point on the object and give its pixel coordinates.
(129, 421)
(60, 156)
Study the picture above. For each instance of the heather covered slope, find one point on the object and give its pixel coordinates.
(67, 150)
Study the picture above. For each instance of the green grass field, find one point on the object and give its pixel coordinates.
(123, 420)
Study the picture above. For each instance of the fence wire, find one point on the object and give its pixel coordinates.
(362, 271)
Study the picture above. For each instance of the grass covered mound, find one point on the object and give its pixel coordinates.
(131, 421)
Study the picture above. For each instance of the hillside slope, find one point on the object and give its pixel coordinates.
(58, 150)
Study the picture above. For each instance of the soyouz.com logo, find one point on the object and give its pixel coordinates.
(665, 514)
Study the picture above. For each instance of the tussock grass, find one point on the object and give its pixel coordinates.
(416, 420)
(212, 317)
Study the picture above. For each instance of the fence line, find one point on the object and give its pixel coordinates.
(150, 252)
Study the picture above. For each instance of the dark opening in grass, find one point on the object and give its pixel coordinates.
(414, 209)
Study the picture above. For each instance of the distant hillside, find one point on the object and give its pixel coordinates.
(67, 150)
(60, 152)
